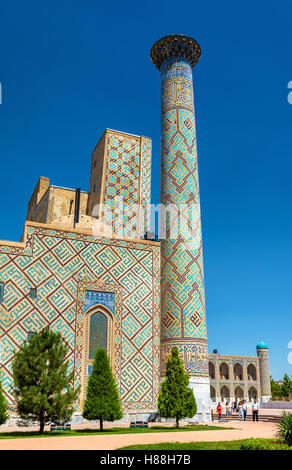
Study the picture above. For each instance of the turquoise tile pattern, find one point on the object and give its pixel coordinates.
(128, 177)
(182, 281)
(64, 265)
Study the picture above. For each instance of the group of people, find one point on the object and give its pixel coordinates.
(240, 408)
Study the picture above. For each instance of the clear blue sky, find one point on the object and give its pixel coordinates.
(70, 69)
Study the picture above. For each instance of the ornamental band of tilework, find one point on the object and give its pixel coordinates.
(65, 267)
(182, 284)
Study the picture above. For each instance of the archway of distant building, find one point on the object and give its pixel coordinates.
(251, 372)
(237, 371)
(225, 393)
(224, 371)
(239, 392)
(252, 393)
(212, 393)
(211, 370)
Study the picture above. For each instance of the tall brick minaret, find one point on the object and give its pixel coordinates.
(264, 369)
(183, 296)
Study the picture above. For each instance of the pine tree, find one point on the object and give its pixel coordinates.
(102, 397)
(176, 399)
(3, 406)
(276, 389)
(286, 386)
(43, 386)
(283, 389)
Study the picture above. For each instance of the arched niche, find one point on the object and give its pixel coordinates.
(212, 373)
(239, 392)
(237, 371)
(212, 393)
(99, 327)
(225, 393)
(252, 393)
(224, 371)
(251, 372)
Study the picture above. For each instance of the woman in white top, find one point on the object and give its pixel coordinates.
(240, 409)
(228, 410)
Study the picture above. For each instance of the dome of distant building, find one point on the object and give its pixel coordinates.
(262, 345)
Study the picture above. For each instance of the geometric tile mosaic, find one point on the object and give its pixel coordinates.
(128, 176)
(60, 264)
(183, 299)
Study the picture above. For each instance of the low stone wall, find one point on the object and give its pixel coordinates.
(279, 405)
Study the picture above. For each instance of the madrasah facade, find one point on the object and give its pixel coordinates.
(88, 267)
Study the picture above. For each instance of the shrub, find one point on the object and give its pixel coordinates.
(263, 444)
(284, 428)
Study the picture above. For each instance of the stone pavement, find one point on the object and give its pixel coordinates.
(240, 430)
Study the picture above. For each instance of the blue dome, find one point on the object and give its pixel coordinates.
(262, 345)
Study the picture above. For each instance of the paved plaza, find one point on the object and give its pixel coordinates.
(240, 430)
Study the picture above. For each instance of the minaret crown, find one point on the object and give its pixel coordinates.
(175, 45)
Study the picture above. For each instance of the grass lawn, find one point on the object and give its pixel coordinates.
(220, 445)
(84, 432)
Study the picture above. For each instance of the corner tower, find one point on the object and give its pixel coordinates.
(264, 367)
(121, 170)
(182, 284)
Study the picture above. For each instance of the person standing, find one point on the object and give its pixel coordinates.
(228, 410)
(235, 404)
(219, 410)
(244, 410)
(240, 409)
(255, 410)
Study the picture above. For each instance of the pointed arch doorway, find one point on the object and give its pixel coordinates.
(96, 297)
(99, 327)
(99, 332)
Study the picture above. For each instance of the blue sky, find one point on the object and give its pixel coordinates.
(70, 69)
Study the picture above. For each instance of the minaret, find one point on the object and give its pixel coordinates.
(182, 283)
(264, 367)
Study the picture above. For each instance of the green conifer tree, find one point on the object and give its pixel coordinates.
(176, 399)
(102, 397)
(276, 389)
(44, 389)
(286, 386)
(3, 406)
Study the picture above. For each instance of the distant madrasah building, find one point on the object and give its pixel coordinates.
(133, 296)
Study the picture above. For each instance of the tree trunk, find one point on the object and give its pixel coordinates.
(100, 424)
(177, 422)
(42, 426)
